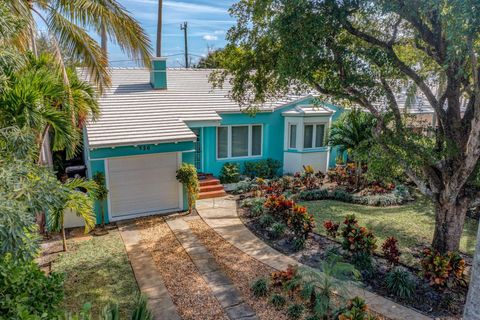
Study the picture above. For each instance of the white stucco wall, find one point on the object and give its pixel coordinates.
(294, 161)
(72, 220)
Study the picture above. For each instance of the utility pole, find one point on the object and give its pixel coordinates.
(159, 28)
(184, 27)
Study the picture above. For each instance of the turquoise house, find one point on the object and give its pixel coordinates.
(152, 121)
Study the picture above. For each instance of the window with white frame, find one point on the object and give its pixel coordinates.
(239, 141)
(313, 136)
(292, 134)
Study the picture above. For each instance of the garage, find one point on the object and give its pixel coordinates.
(143, 185)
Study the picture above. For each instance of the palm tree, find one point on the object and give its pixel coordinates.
(353, 133)
(79, 202)
(36, 97)
(67, 22)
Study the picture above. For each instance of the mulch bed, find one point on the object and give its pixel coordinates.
(239, 267)
(445, 305)
(190, 294)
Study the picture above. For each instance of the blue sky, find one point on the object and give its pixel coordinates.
(208, 22)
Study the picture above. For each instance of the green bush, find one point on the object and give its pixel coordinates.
(400, 283)
(255, 205)
(187, 175)
(298, 243)
(278, 301)
(342, 195)
(230, 173)
(265, 169)
(259, 287)
(278, 229)
(315, 194)
(266, 220)
(27, 290)
(245, 186)
(295, 311)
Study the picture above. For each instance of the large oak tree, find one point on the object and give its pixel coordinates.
(364, 53)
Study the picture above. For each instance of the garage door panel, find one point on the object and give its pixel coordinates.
(143, 184)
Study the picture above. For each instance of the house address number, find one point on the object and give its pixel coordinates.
(144, 148)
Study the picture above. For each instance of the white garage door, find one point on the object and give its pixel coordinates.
(143, 185)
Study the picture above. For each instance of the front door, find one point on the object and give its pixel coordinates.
(198, 149)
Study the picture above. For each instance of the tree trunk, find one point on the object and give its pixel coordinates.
(449, 221)
(64, 239)
(103, 214)
(472, 305)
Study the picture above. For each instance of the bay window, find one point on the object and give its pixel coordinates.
(239, 141)
(313, 136)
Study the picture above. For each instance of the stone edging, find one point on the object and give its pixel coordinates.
(149, 281)
(221, 215)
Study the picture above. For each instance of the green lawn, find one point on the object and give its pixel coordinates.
(98, 271)
(411, 224)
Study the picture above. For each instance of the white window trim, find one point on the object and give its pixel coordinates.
(314, 134)
(289, 142)
(229, 141)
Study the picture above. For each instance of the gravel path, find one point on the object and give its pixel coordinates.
(239, 267)
(189, 292)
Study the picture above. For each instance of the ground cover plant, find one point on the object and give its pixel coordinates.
(101, 261)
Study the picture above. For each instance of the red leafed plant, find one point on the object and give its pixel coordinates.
(357, 239)
(390, 250)
(442, 269)
(300, 221)
(279, 278)
(331, 227)
(278, 205)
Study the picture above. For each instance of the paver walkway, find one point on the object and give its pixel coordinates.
(148, 279)
(221, 286)
(221, 215)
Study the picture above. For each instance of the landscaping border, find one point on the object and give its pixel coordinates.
(221, 215)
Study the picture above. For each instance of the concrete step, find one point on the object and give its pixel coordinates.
(212, 194)
(213, 187)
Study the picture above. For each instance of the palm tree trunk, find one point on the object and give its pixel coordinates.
(33, 40)
(159, 29)
(64, 239)
(103, 214)
(472, 305)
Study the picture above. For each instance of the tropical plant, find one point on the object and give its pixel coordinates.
(187, 175)
(295, 311)
(266, 220)
(101, 194)
(356, 239)
(323, 286)
(230, 173)
(442, 269)
(278, 229)
(400, 283)
(331, 228)
(300, 221)
(353, 133)
(278, 301)
(67, 22)
(259, 287)
(26, 292)
(390, 250)
(356, 309)
(265, 169)
(78, 202)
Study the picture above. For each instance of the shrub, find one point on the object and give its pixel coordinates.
(390, 250)
(295, 311)
(266, 220)
(255, 205)
(27, 290)
(342, 195)
(300, 221)
(278, 229)
(298, 244)
(315, 194)
(245, 186)
(259, 287)
(266, 169)
(278, 205)
(278, 301)
(230, 173)
(280, 278)
(311, 180)
(442, 269)
(400, 283)
(187, 175)
(356, 309)
(331, 227)
(357, 239)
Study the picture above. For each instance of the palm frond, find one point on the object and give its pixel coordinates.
(121, 27)
(81, 46)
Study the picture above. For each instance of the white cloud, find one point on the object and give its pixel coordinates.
(210, 37)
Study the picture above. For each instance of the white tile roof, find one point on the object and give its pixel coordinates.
(308, 110)
(134, 113)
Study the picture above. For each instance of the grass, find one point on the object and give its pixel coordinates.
(412, 224)
(97, 271)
